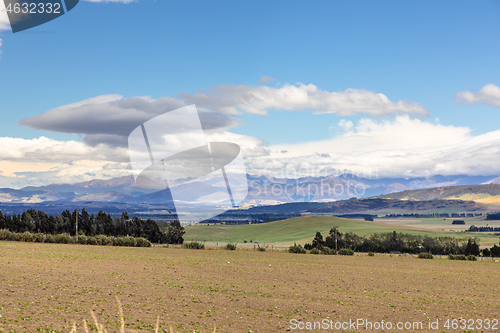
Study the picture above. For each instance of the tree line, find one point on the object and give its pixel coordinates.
(433, 215)
(91, 225)
(493, 216)
(473, 228)
(399, 242)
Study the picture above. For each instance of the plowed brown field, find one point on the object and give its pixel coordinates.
(48, 287)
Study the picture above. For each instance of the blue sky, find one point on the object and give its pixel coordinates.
(424, 52)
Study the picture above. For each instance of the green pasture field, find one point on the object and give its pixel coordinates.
(302, 229)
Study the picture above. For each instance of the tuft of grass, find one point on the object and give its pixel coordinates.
(230, 246)
(100, 327)
(261, 248)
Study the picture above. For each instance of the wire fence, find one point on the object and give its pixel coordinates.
(283, 247)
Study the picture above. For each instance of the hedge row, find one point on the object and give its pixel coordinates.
(325, 250)
(462, 257)
(6, 235)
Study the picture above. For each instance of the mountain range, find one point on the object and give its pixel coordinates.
(262, 190)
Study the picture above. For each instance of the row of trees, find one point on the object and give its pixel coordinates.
(473, 228)
(92, 225)
(434, 215)
(493, 216)
(400, 242)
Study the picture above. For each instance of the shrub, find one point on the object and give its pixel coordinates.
(328, 251)
(142, 242)
(92, 240)
(82, 239)
(5, 234)
(194, 245)
(308, 246)
(50, 239)
(471, 257)
(110, 240)
(457, 257)
(230, 246)
(63, 239)
(104, 240)
(296, 249)
(17, 237)
(39, 238)
(425, 255)
(371, 254)
(314, 251)
(117, 241)
(346, 252)
(27, 237)
(261, 248)
(129, 241)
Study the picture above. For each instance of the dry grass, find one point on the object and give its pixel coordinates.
(100, 327)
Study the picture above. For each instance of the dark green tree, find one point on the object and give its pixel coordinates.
(334, 239)
(175, 233)
(2, 221)
(318, 241)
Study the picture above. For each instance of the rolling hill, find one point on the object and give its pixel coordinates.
(284, 231)
(301, 229)
(468, 193)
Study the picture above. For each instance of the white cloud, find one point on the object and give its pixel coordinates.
(43, 161)
(233, 99)
(4, 21)
(402, 147)
(488, 95)
(110, 118)
(267, 79)
(345, 124)
(43, 149)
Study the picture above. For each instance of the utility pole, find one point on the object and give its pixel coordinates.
(336, 247)
(76, 226)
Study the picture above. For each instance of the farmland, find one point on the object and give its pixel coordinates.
(302, 229)
(47, 287)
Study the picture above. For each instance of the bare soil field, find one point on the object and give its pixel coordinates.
(51, 287)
